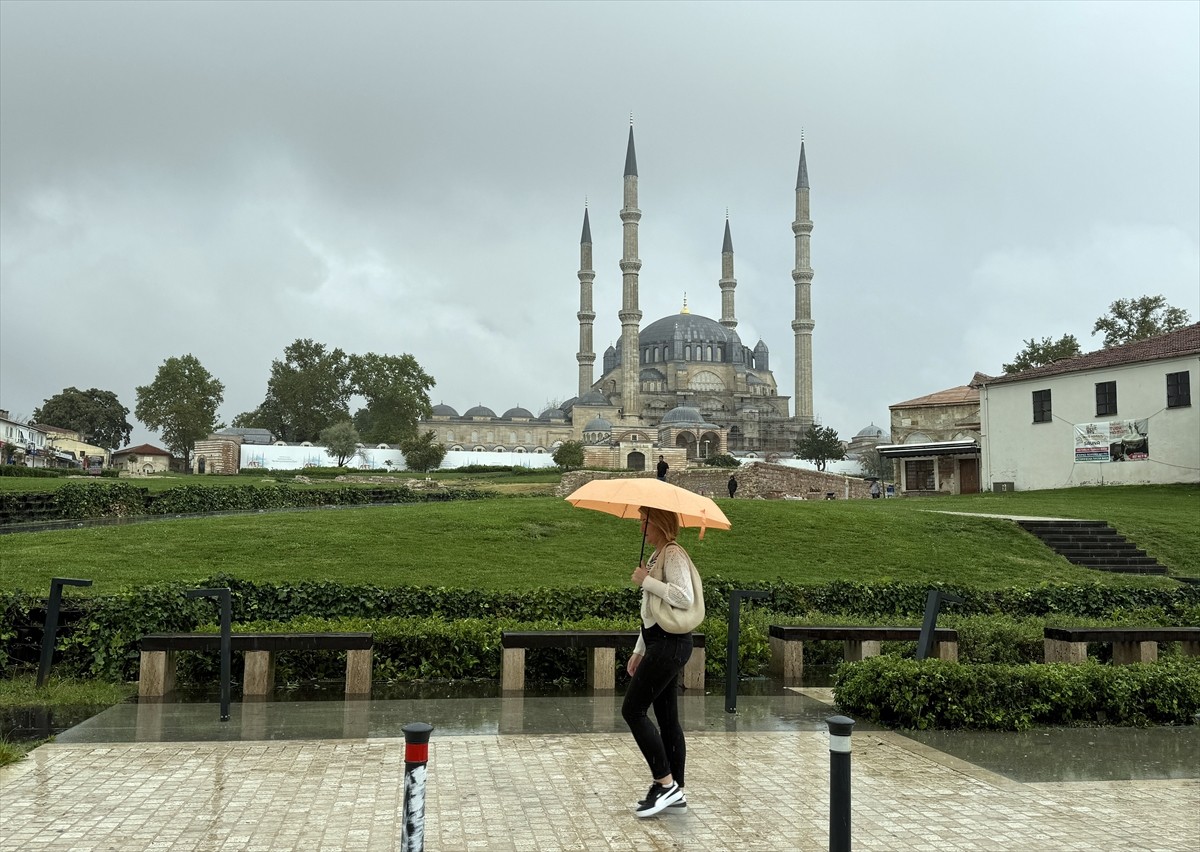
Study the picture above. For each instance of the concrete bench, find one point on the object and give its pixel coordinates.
(1130, 644)
(157, 676)
(602, 655)
(787, 644)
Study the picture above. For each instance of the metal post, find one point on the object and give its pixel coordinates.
(933, 602)
(731, 644)
(840, 728)
(416, 756)
(223, 599)
(51, 629)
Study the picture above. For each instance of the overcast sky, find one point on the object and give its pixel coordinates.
(221, 179)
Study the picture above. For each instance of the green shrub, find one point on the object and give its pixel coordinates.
(722, 460)
(938, 694)
(34, 472)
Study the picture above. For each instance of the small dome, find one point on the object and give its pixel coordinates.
(552, 414)
(682, 415)
(567, 405)
(440, 410)
(760, 346)
(514, 413)
(871, 431)
(611, 350)
(592, 397)
(598, 424)
(479, 411)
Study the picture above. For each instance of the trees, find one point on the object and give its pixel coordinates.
(1039, 353)
(181, 402)
(820, 445)
(569, 455)
(342, 440)
(876, 465)
(1128, 320)
(397, 393)
(97, 415)
(309, 390)
(422, 453)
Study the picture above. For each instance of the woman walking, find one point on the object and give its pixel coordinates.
(672, 606)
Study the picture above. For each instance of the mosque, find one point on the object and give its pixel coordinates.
(684, 386)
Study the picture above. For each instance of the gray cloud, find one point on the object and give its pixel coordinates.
(221, 179)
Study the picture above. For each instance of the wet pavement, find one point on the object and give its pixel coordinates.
(561, 772)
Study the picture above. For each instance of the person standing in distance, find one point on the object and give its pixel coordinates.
(662, 468)
(732, 485)
(672, 607)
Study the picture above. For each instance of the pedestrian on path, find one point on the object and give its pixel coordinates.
(662, 468)
(672, 607)
(732, 485)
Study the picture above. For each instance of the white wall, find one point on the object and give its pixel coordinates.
(271, 457)
(1042, 455)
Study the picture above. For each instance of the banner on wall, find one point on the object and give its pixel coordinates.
(1113, 441)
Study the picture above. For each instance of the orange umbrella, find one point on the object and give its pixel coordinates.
(624, 497)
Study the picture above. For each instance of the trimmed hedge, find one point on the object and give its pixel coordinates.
(936, 694)
(79, 500)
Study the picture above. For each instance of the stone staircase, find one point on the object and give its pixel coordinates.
(1093, 544)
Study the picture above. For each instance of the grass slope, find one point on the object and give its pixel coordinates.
(542, 541)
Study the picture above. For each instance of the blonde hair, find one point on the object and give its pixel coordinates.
(666, 522)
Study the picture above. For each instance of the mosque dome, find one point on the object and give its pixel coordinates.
(514, 413)
(598, 424)
(683, 415)
(479, 411)
(441, 410)
(871, 431)
(687, 328)
(593, 397)
(552, 414)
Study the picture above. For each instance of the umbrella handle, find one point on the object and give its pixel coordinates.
(643, 552)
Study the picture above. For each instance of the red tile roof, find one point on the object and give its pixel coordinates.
(961, 395)
(143, 450)
(1173, 344)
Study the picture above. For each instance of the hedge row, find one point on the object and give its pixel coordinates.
(120, 499)
(100, 633)
(936, 694)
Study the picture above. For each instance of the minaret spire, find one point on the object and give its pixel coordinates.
(727, 283)
(630, 314)
(586, 357)
(802, 275)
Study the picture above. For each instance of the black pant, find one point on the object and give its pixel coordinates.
(656, 683)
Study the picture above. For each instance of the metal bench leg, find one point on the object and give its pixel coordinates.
(156, 676)
(602, 668)
(260, 674)
(855, 651)
(787, 660)
(1060, 651)
(1134, 652)
(693, 672)
(358, 673)
(512, 669)
(946, 651)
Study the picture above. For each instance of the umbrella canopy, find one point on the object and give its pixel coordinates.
(624, 497)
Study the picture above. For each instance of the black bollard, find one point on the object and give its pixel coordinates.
(840, 728)
(416, 756)
(48, 633)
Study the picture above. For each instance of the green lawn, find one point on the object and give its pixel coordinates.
(543, 541)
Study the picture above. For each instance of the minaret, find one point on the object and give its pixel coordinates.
(728, 283)
(586, 357)
(629, 315)
(803, 324)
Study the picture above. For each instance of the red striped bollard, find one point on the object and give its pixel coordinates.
(416, 755)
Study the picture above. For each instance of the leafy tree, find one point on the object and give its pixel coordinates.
(722, 460)
(309, 390)
(876, 465)
(1128, 320)
(569, 455)
(820, 445)
(1046, 351)
(422, 453)
(97, 415)
(342, 440)
(182, 403)
(397, 393)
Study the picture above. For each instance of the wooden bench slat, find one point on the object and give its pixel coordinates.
(577, 639)
(789, 633)
(1123, 634)
(258, 641)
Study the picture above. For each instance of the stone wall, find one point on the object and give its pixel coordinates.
(755, 481)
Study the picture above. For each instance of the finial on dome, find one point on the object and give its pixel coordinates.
(685, 307)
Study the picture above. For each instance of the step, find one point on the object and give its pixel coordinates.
(1130, 569)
